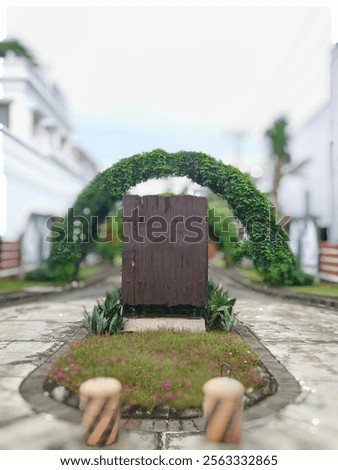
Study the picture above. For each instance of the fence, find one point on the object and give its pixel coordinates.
(9, 255)
(328, 261)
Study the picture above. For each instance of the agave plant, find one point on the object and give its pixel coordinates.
(219, 314)
(106, 317)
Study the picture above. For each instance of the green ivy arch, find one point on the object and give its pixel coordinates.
(267, 246)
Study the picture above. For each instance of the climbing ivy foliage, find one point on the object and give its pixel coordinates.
(267, 244)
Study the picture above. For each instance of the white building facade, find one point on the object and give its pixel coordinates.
(311, 197)
(41, 171)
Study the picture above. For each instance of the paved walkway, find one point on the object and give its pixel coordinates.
(304, 339)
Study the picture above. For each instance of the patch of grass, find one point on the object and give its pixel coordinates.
(324, 289)
(158, 367)
(87, 272)
(11, 285)
(250, 274)
(15, 285)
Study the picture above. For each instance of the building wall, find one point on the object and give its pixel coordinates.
(41, 171)
(312, 143)
(333, 233)
(318, 141)
(34, 185)
(29, 94)
(315, 191)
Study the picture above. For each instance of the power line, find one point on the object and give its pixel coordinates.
(306, 26)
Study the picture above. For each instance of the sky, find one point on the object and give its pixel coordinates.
(210, 79)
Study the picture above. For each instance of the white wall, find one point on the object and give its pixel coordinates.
(313, 142)
(333, 234)
(34, 185)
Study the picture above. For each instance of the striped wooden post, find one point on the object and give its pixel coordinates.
(100, 402)
(223, 409)
(328, 261)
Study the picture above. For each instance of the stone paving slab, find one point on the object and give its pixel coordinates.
(310, 355)
(322, 365)
(41, 432)
(281, 432)
(51, 312)
(22, 351)
(89, 304)
(12, 405)
(309, 407)
(179, 324)
(17, 369)
(38, 330)
(136, 441)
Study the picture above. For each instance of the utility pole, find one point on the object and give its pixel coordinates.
(237, 139)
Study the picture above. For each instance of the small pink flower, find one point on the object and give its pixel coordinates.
(60, 375)
(188, 383)
(169, 395)
(127, 406)
(157, 368)
(257, 379)
(104, 362)
(186, 396)
(165, 384)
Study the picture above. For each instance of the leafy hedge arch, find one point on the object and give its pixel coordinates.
(267, 246)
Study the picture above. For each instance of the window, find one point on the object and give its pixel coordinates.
(323, 234)
(37, 117)
(4, 114)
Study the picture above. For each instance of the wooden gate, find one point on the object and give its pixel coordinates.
(164, 253)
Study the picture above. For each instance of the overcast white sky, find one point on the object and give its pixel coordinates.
(180, 78)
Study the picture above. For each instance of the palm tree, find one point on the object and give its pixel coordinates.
(279, 153)
(279, 140)
(17, 48)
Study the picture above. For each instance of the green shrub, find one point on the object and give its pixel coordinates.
(112, 233)
(222, 228)
(106, 317)
(219, 314)
(39, 273)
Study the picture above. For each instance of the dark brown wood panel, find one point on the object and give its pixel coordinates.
(168, 264)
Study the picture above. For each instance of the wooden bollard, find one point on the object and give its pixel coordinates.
(223, 409)
(100, 403)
